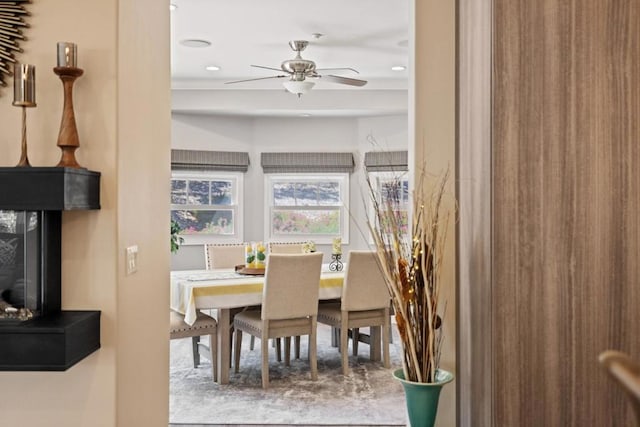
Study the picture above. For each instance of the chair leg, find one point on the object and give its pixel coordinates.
(279, 349)
(385, 341)
(313, 348)
(213, 348)
(287, 351)
(237, 349)
(296, 342)
(264, 344)
(196, 351)
(252, 343)
(231, 345)
(355, 338)
(344, 343)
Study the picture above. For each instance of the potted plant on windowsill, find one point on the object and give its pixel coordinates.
(411, 266)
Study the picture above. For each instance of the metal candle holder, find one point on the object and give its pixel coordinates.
(68, 72)
(24, 95)
(335, 264)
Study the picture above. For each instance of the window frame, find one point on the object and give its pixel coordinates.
(237, 205)
(342, 207)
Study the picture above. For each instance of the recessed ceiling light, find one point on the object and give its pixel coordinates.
(195, 43)
(305, 115)
(172, 7)
(212, 68)
(403, 43)
(398, 68)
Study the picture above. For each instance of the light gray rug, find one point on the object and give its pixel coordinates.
(368, 396)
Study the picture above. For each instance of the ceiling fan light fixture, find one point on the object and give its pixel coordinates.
(298, 87)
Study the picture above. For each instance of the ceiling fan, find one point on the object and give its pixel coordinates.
(298, 69)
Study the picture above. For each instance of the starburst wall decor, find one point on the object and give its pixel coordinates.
(13, 17)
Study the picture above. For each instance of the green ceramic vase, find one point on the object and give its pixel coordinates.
(422, 398)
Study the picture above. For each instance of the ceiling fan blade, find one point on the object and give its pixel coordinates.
(267, 68)
(338, 69)
(259, 78)
(344, 80)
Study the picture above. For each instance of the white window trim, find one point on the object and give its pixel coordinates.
(343, 178)
(237, 206)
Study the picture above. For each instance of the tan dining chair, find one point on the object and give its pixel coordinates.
(289, 307)
(364, 302)
(204, 325)
(626, 373)
(286, 247)
(224, 255)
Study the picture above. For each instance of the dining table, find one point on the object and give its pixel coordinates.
(225, 290)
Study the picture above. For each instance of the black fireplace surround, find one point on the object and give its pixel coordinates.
(35, 334)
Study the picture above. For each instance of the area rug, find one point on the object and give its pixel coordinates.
(368, 396)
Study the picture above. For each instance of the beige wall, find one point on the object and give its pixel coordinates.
(122, 110)
(432, 121)
(115, 107)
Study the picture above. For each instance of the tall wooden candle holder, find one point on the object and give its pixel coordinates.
(68, 140)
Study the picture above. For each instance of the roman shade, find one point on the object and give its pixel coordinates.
(307, 162)
(386, 161)
(233, 161)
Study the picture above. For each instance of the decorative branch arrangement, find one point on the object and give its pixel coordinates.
(412, 268)
(12, 22)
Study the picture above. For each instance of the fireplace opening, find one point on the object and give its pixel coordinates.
(20, 265)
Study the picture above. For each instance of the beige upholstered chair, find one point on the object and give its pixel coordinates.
(626, 373)
(365, 302)
(286, 247)
(289, 307)
(224, 255)
(204, 325)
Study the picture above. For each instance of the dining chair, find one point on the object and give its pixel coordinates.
(225, 255)
(626, 373)
(204, 325)
(289, 307)
(364, 302)
(286, 247)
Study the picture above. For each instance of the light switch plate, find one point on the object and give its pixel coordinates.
(131, 259)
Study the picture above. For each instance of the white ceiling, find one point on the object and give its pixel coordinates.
(368, 35)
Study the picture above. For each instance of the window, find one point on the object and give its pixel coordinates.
(393, 191)
(307, 206)
(206, 205)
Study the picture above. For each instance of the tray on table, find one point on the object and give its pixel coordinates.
(242, 269)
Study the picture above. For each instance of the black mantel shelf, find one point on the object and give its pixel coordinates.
(49, 189)
(58, 339)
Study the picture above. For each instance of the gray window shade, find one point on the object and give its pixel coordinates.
(382, 161)
(307, 162)
(209, 160)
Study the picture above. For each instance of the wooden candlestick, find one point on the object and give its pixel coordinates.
(68, 140)
(24, 159)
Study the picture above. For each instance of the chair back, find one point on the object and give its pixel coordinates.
(286, 247)
(291, 286)
(364, 287)
(626, 373)
(224, 255)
